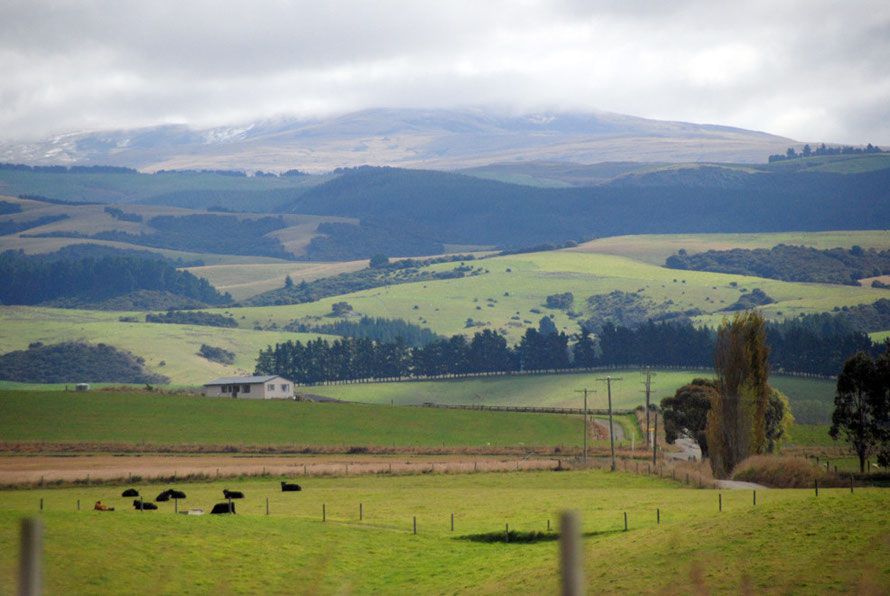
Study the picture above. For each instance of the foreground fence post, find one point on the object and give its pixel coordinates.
(571, 562)
(452, 522)
(816, 483)
(30, 561)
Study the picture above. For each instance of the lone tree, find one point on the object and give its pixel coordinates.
(737, 420)
(686, 413)
(862, 406)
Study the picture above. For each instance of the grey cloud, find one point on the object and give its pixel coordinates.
(806, 69)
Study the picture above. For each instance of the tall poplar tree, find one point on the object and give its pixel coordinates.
(737, 419)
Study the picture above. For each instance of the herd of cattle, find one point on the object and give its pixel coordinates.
(227, 507)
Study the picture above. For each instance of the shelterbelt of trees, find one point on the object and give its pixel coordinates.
(807, 346)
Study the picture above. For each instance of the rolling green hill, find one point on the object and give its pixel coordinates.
(510, 297)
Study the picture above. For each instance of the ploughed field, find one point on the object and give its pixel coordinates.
(791, 541)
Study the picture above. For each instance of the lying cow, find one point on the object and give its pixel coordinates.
(130, 492)
(223, 508)
(164, 496)
(100, 507)
(288, 487)
(233, 494)
(137, 504)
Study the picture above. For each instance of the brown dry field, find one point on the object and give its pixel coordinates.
(17, 470)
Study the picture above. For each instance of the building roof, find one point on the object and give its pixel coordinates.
(242, 380)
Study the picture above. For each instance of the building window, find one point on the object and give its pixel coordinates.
(225, 389)
(245, 389)
(270, 387)
(285, 386)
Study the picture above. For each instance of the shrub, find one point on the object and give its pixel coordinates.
(785, 472)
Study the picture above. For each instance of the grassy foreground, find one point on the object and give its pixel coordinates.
(790, 542)
(164, 419)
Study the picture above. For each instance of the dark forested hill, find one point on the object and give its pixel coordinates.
(452, 208)
(37, 280)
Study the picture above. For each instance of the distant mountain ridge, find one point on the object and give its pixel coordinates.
(412, 138)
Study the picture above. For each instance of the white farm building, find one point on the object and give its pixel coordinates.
(268, 387)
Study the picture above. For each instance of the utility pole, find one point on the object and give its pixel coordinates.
(655, 439)
(608, 381)
(649, 376)
(585, 424)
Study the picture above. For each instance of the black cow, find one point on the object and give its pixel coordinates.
(233, 494)
(223, 508)
(164, 496)
(137, 504)
(287, 487)
(175, 494)
(130, 492)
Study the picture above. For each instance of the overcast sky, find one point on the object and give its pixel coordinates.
(812, 70)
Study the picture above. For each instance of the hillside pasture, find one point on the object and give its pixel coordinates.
(175, 345)
(694, 548)
(246, 280)
(811, 399)
(504, 295)
(656, 248)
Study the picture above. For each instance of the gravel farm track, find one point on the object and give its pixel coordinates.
(36, 469)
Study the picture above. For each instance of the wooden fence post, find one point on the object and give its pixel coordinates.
(415, 525)
(658, 516)
(816, 483)
(720, 501)
(625, 521)
(267, 505)
(323, 513)
(30, 561)
(571, 559)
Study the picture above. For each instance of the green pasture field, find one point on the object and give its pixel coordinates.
(812, 400)
(812, 435)
(503, 298)
(790, 542)
(655, 248)
(246, 280)
(94, 417)
(176, 345)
